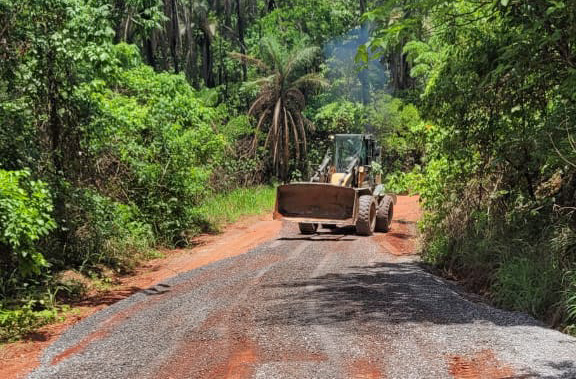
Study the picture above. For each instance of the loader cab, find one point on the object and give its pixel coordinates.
(349, 146)
(353, 155)
(346, 148)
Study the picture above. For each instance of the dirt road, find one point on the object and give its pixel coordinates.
(332, 305)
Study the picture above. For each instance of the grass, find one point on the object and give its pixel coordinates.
(226, 208)
(219, 210)
(515, 266)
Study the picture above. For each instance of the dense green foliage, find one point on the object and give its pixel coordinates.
(154, 143)
(497, 83)
(25, 207)
(132, 124)
(126, 125)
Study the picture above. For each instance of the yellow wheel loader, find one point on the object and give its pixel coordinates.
(344, 190)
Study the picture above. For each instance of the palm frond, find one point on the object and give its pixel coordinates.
(300, 121)
(272, 50)
(259, 103)
(276, 129)
(258, 127)
(261, 82)
(286, 159)
(312, 81)
(248, 59)
(277, 110)
(301, 58)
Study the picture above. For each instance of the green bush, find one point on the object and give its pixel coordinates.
(400, 131)
(339, 117)
(25, 217)
(15, 323)
(404, 182)
(158, 139)
(101, 231)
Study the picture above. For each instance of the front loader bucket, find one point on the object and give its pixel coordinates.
(316, 202)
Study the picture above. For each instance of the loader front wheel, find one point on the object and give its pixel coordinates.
(307, 227)
(366, 215)
(385, 214)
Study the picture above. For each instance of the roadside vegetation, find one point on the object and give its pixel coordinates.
(495, 82)
(228, 207)
(129, 125)
(132, 125)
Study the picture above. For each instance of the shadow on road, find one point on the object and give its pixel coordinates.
(567, 369)
(317, 237)
(344, 233)
(386, 293)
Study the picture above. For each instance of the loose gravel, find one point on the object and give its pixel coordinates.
(325, 306)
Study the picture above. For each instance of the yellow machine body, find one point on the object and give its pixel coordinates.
(345, 189)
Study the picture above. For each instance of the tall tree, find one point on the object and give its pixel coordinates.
(278, 108)
(363, 74)
(241, 30)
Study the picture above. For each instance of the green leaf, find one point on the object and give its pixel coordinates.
(361, 54)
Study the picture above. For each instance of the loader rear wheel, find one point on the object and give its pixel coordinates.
(307, 227)
(385, 214)
(366, 215)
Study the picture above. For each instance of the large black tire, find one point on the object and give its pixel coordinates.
(385, 214)
(307, 227)
(366, 215)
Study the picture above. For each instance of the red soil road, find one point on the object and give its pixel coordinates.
(481, 365)
(402, 239)
(364, 369)
(327, 305)
(19, 358)
(234, 355)
(235, 351)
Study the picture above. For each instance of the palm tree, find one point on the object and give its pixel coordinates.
(279, 105)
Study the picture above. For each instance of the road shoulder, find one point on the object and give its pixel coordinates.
(19, 358)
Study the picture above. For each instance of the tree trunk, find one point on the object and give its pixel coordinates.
(400, 70)
(119, 9)
(174, 34)
(241, 27)
(149, 51)
(190, 60)
(161, 39)
(207, 63)
(363, 75)
(271, 5)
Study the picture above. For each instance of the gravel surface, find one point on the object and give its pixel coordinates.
(325, 306)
